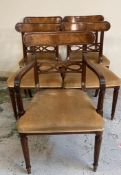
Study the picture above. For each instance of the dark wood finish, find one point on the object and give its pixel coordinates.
(98, 140)
(13, 101)
(24, 144)
(115, 97)
(58, 38)
(47, 19)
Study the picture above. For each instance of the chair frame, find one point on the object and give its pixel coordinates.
(29, 28)
(60, 39)
(98, 47)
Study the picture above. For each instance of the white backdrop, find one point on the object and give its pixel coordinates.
(13, 11)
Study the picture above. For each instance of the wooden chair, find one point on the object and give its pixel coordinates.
(42, 55)
(112, 80)
(49, 52)
(92, 55)
(59, 111)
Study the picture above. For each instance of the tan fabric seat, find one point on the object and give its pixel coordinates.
(46, 80)
(54, 111)
(72, 80)
(92, 56)
(46, 56)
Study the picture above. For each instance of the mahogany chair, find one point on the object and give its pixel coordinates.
(42, 54)
(92, 55)
(112, 80)
(45, 52)
(59, 111)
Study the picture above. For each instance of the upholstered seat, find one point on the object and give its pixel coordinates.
(92, 56)
(66, 111)
(47, 56)
(46, 80)
(72, 80)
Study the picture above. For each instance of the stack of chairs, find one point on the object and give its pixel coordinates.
(62, 105)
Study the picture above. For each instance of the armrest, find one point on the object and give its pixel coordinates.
(17, 82)
(21, 73)
(99, 74)
(101, 78)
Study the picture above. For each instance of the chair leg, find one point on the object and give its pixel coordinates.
(29, 92)
(25, 91)
(24, 143)
(115, 97)
(96, 92)
(98, 140)
(13, 101)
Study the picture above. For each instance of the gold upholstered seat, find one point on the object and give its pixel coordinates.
(72, 80)
(60, 111)
(45, 80)
(43, 56)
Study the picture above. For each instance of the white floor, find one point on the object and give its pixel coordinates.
(61, 155)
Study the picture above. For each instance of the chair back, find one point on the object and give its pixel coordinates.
(37, 27)
(56, 39)
(97, 27)
(91, 18)
(49, 19)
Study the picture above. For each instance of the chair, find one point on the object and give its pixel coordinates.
(112, 80)
(42, 52)
(92, 55)
(59, 111)
(49, 52)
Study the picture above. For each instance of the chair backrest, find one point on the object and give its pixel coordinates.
(58, 38)
(36, 27)
(99, 27)
(47, 19)
(91, 18)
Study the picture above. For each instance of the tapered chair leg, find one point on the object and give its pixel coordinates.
(98, 140)
(96, 92)
(24, 143)
(13, 101)
(115, 97)
(29, 92)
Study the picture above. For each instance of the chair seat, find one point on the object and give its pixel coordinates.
(46, 56)
(72, 80)
(93, 56)
(46, 80)
(60, 111)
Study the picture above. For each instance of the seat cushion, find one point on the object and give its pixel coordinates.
(92, 56)
(43, 56)
(73, 80)
(60, 111)
(46, 80)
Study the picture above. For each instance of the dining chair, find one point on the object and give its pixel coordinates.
(112, 80)
(42, 55)
(59, 111)
(92, 55)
